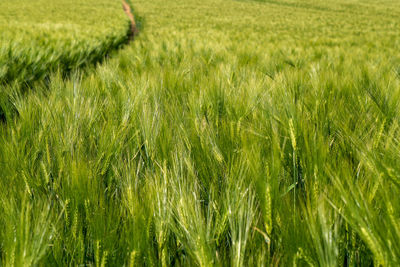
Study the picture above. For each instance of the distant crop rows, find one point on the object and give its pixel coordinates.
(41, 36)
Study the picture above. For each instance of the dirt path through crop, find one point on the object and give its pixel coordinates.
(128, 12)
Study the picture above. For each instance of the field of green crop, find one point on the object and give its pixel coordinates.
(42, 36)
(229, 133)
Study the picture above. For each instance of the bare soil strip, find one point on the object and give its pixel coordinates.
(128, 12)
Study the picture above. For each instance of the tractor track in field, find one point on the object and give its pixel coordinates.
(134, 30)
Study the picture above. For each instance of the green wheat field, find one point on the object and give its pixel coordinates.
(227, 133)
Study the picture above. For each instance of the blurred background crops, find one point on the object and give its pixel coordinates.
(230, 133)
(41, 36)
